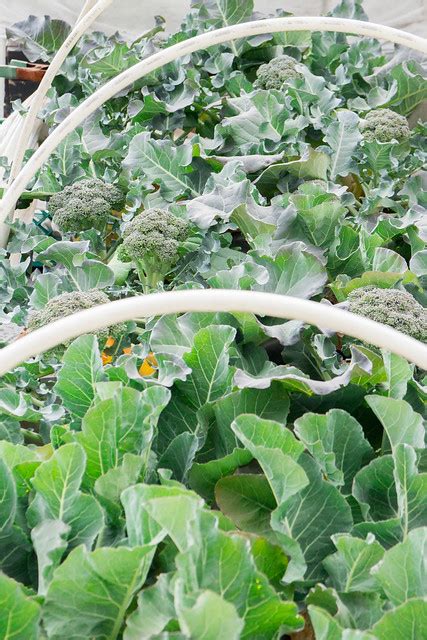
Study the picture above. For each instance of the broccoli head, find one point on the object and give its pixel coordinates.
(384, 125)
(395, 308)
(152, 241)
(71, 302)
(85, 205)
(276, 73)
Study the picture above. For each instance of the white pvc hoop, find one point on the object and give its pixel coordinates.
(90, 11)
(83, 22)
(212, 300)
(202, 41)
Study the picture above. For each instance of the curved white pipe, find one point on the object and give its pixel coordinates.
(86, 8)
(202, 41)
(83, 23)
(212, 300)
(89, 13)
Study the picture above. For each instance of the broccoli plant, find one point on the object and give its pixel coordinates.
(84, 205)
(385, 125)
(152, 241)
(395, 308)
(71, 302)
(276, 73)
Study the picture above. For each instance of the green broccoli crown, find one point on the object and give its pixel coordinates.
(68, 303)
(276, 73)
(395, 308)
(154, 236)
(85, 204)
(385, 125)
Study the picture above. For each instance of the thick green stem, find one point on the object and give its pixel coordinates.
(30, 437)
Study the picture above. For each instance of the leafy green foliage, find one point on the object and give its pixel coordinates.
(219, 475)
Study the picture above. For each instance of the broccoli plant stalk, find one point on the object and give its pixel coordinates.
(152, 241)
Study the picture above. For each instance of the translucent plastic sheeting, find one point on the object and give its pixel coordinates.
(133, 16)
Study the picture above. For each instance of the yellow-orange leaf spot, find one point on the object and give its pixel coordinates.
(149, 365)
(127, 350)
(110, 342)
(106, 359)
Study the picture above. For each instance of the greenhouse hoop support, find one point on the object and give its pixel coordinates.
(202, 41)
(83, 23)
(321, 315)
(90, 11)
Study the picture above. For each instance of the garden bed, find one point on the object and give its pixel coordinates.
(231, 473)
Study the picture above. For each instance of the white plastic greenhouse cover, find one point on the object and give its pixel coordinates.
(174, 52)
(133, 16)
(320, 315)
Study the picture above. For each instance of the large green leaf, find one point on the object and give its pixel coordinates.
(82, 369)
(19, 613)
(214, 560)
(204, 477)
(318, 212)
(277, 451)
(210, 378)
(324, 625)
(337, 442)
(155, 609)
(123, 423)
(222, 13)
(110, 65)
(109, 486)
(399, 420)
(343, 136)
(293, 379)
(260, 124)
(411, 87)
(102, 583)
(57, 484)
(39, 37)
(175, 334)
(7, 498)
(164, 164)
(271, 404)
(210, 375)
(50, 541)
(374, 489)
(293, 273)
(84, 273)
(411, 488)
(408, 621)
(402, 571)
(227, 557)
(211, 617)
(58, 479)
(399, 372)
(247, 500)
(350, 567)
(307, 521)
(179, 455)
(163, 511)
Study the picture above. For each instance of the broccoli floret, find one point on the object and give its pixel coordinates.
(395, 308)
(85, 205)
(152, 241)
(276, 73)
(384, 125)
(71, 302)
